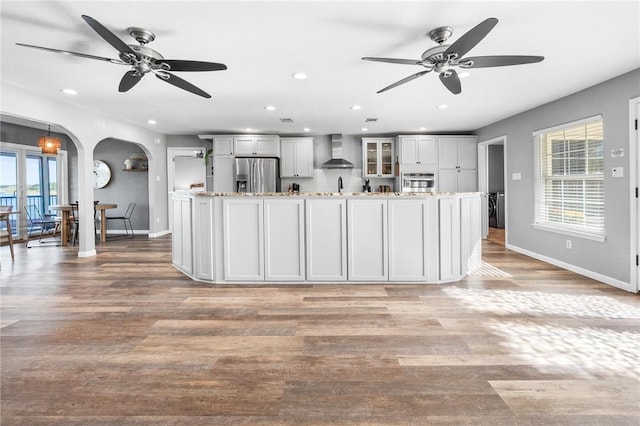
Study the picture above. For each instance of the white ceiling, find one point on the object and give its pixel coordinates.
(264, 43)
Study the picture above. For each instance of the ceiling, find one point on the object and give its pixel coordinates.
(263, 43)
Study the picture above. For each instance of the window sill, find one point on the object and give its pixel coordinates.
(571, 232)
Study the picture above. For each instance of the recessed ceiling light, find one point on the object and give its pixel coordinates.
(152, 122)
(306, 129)
(299, 75)
(248, 129)
(364, 129)
(356, 107)
(423, 128)
(464, 74)
(270, 108)
(70, 92)
(443, 106)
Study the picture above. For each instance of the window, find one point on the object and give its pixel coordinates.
(570, 180)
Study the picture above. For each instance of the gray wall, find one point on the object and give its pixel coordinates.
(611, 99)
(124, 187)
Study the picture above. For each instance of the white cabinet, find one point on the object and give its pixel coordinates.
(284, 239)
(203, 239)
(377, 157)
(223, 145)
(296, 157)
(243, 239)
(449, 229)
(415, 150)
(367, 240)
(266, 146)
(326, 239)
(413, 240)
(457, 164)
(181, 236)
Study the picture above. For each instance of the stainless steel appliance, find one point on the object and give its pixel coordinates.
(418, 182)
(256, 175)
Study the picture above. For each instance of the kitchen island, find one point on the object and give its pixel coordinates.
(326, 237)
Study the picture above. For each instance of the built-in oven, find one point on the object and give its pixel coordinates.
(418, 182)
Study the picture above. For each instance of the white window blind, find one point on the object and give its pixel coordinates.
(570, 181)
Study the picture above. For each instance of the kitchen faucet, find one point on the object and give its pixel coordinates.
(340, 184)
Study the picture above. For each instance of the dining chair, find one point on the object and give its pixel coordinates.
(125, 218)
(5, 212)
(46, 224)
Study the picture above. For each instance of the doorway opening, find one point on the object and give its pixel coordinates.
(492, 183)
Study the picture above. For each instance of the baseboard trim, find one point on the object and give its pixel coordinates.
(573, 268)
(159, 234)
(123, 232)
(87, 253)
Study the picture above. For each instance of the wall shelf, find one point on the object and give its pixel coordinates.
(135, 170)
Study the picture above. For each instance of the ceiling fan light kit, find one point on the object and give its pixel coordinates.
(444, 58)
(142, 59)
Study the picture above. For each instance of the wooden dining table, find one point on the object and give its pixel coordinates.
(66, 211)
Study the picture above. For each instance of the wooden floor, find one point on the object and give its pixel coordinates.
(123, 338)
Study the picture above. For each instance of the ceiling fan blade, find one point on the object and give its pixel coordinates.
(130, 79)
(394, 60)
(451, 81)
(183, 84)
(66, 52)
(404, 80)
(500, 61)
(109, 37)
(178, 65)
(471, 38)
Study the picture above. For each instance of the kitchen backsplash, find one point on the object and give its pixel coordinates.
(326, 180)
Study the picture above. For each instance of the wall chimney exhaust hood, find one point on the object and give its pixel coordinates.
(337, 161)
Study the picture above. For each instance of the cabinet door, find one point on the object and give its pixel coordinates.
(204, 238)
(470, 234)
(386, 158)
(326, 243)
(266, 145)
(244, 145)
(408, 150)
(284, 240)
(447, 180)
(449, 209)
(467, 180)
(288, 158)
(367, 240)
(223, 145)
(243, 239)
(427, 150)
(447, 152)
(370, 163)
(467, 152)
(181, 236)
(413, 240)
(304, 158)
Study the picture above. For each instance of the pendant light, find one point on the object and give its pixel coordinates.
(49, 144)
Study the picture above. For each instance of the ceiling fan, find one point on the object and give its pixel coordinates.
(142, 59)
(444, 58)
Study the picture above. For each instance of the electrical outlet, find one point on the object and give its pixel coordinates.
(568, 244)
(617, 172)
(157, 220)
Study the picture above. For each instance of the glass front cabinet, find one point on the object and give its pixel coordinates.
(378, 157)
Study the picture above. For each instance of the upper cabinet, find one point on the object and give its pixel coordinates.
(457, 164)
(296, 157)
(223, 145)
(377, 157)
(262, 146)
(418, 150)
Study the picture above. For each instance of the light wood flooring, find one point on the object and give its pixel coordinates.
(123, 338)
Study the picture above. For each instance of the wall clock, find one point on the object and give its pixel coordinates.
(102, 174)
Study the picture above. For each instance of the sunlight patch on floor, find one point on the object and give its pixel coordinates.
(488, 270)
(506, 302)
(556, 348)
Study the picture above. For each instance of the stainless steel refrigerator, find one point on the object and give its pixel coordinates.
(256, 175)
